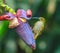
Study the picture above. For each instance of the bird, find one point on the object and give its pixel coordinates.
(39, 27)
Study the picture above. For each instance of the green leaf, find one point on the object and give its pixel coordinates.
(3, 28)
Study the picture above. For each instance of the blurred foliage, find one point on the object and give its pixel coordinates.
(48, 42)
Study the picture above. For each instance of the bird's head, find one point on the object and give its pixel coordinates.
(42, 19)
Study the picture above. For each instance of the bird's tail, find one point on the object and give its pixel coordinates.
(36, 35)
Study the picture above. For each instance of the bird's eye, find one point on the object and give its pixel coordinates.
(28, 13)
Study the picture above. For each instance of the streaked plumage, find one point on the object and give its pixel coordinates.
(39, 27)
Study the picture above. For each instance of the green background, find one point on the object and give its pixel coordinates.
(47, 42)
